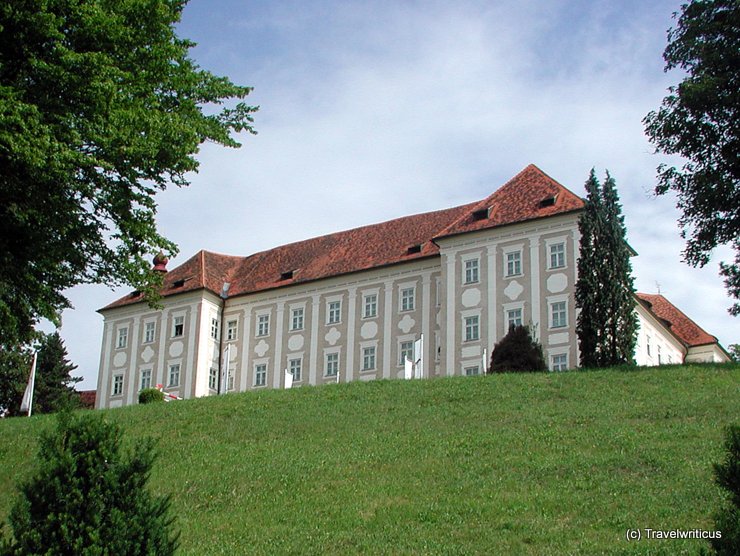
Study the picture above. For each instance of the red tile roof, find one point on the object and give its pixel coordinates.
(87, 398)
(367, 247)
(682, 326)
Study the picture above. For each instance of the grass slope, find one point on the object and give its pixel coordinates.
(507, 464)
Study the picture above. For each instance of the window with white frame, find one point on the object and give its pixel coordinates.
(174, 375)
(368, 358)
(407, 299)
(559, 362)
(473, 370)
(558, 314)
(557, 255)
(647, 344)
(178, 326)
(370, 306)
(230, 380)
(295, 368)
(214, 328)
(513, 263)
(150, 329)
(513, 318)
(232, 330)
(406, 351)
(122, 337)
(146, 379)
(334, 312)
(260, 374)
(213, 378)
(331, 367)
(263, 325)
(472, 271)
(659, 356)
(117, 385)
(297, 316)
(472, 328)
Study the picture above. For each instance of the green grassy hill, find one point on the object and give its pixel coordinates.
(509, 464)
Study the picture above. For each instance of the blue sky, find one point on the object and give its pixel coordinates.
(374, 110)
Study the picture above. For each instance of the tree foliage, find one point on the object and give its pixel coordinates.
(15, 364)
(607, 323)
(699, 120)
(54, 388)
(727, 475)
(89, 497)
(517, 352)
(100, 108)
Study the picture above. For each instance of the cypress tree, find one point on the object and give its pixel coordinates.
(607, 323)
(517, 352)
(54, 385)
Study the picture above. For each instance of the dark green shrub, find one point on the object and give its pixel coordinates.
(150, 395)
(87, 497)
(727, 475)
(517, 352)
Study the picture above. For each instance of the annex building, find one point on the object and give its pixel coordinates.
(351, 305)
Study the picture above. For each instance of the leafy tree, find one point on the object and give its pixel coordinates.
(700, 121)
(87, 497)
(100, 108)
(727, 475)
(607, 323)
(54, 385)
(517, 351)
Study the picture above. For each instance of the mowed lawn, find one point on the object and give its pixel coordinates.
(559, 463)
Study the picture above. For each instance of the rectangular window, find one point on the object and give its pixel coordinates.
(368, 358)
(406, 351)
(513, 318)
(214, 328)
(660, 362)
(117, 385)
(149, 331)
(122, 337)
(557, 255)
(263, 325)
(232, 330)
(471, 271)
(146, 379)
(371, 306)
(174, 375)
(558, 315)
(472, 371)
(230, 381)
(472, 332)
(647, 344)
(296, 321)
(294, 366)
(407, 299)
(260, 374)
(335, 312)
(560, 362)
(178, 326)
(332, 364)
(514, 263)
(213, 378)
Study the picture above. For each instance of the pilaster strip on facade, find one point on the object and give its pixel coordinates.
(164, 336)
(491, 298)
(131, 388)
(104, 377)
(246, 340)
(387, 326)
(451, 343)
(534, 261)
(278, 366)
(189, 364)
(426, 323)
(351, 315)
(313, 354)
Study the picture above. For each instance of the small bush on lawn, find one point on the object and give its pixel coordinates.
(727, 475)
(87, 497)
(150, 395)
(517, 351)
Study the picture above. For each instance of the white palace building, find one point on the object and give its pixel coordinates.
(350, 305)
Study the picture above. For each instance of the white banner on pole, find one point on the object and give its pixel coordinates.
(27, 401)
(408, 369)
(484, 362)
(419, 357)
(288, 379)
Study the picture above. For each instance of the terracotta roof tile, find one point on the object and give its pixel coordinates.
(682, 326)
(396, 241)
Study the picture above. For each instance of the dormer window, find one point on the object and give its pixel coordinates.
(178, 283)
(548, 201)
(482, 214)
(414, 249)
(287, 275)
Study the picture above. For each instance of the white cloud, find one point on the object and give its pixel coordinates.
(374, 110)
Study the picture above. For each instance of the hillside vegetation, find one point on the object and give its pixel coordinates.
(504, 464)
